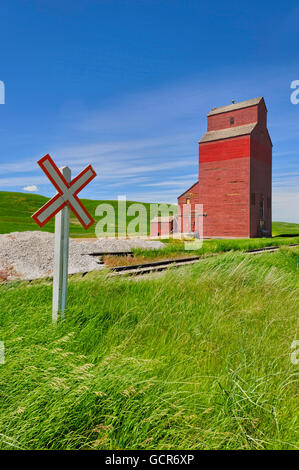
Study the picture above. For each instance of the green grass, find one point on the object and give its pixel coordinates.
(177, 248)
(16, 210)
(283, 234)
(280, 229)
(195, 358)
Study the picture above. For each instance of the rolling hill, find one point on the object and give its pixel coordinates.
(16, 210)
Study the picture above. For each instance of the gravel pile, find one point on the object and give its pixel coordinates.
(29, 255)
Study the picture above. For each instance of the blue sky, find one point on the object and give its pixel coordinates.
(126, 86)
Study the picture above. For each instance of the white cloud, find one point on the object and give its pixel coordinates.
(145, 144)
(31, 189)
(21, 181)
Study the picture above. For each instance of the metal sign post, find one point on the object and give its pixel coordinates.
(61, 255)
(59, 206)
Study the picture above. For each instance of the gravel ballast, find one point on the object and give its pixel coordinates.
(29, 255)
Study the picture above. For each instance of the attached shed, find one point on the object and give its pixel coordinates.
(188, 197)
(161, 226)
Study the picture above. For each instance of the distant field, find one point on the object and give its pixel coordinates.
(280, 229)
(16, 210)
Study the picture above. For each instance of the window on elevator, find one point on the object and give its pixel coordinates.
(262, 208)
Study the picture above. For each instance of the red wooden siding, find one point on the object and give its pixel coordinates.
(235, 172)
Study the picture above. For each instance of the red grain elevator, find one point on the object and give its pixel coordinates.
(235, 173)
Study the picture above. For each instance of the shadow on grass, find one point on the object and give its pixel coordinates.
(288, 235)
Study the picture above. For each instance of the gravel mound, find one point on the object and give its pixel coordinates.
(29, 255)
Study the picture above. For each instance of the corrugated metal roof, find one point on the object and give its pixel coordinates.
(227, 133)
(232, 107)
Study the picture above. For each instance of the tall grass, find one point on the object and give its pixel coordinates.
(196, 358)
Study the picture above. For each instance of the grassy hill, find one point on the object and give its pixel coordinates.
(197, 358)
(16, 210)
(285, 229)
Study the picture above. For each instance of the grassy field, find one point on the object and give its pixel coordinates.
(16, 210)
(177, 247)
(196, 358)
(285, 229)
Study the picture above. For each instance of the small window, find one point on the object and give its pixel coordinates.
(262, 209)
(188, 200)
(232, 121)
(252, 199)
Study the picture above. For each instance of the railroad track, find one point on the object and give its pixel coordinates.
(268, 249)
(156, 266)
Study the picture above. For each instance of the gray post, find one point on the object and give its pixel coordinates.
(61, 255)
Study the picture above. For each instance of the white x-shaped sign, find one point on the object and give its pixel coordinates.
(66, 193)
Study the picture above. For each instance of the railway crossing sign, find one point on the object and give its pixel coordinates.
(59, 206)
(67, 193)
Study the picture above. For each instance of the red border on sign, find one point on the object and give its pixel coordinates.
(60, 193)
(45, 206)
(89, 167)
(86, 226)
(59, 174)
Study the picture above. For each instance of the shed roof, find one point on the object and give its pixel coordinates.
(232, 107)
(187, 190)
(227, 133)
(163, 218)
